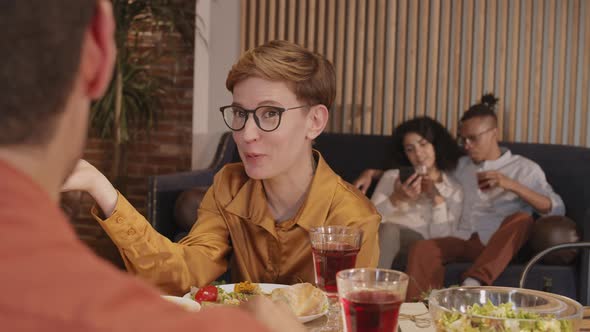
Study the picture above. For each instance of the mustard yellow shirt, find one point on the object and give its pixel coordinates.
(235, 228)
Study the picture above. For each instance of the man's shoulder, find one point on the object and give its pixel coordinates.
(523, 163)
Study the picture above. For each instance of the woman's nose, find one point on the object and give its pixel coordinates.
(250, 132)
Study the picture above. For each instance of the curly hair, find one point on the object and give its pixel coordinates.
(446, 150)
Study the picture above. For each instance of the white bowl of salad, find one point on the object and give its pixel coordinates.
(489, 308)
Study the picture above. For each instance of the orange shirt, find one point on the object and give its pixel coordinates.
(50, 281)
(234, 221)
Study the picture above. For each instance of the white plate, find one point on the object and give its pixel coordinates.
(266, 288)
(188, 304)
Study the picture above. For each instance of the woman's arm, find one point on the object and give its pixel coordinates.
(196, 260)
(446, 215)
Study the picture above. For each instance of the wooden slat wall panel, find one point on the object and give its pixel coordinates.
(523, 92)
(396, 59)
(358, 63)
(549, 51)
(466, 55)
(433, 58)
(379, 69)
(536, 93)
(423, 20)
(411, 60)
(585, 109)
(500, 69)
(444, 37)
(368, 88)
(454, 87)
(490, 44)
(574, 18)
(400, 58)
(479, 28)
(560, 82)
(390, 56)
(512, 75)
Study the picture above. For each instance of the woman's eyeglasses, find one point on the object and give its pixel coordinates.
(267, 118)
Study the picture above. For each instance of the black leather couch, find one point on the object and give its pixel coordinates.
(567, 169)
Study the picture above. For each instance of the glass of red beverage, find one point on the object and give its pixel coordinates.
(334, 248)
(371, 298)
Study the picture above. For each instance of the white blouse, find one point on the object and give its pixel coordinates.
(420, 215)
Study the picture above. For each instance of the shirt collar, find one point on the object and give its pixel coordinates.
(250, 201)
(501, 161)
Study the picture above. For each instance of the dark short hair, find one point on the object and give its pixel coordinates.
(446, 150)
(41, 42)
(486, 107)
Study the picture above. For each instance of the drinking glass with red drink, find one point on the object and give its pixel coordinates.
(334, 248)
(371, 298)
(482, 182)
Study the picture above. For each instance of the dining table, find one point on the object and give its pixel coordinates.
(414, 317)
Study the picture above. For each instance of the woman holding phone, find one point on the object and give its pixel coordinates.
(418, 200)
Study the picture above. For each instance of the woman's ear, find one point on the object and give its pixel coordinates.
(317, 121)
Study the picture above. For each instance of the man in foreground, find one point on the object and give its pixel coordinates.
(58, 56)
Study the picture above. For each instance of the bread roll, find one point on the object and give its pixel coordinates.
(304, 299)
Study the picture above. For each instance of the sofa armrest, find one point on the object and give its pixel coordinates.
(584, 273)
(163, 190)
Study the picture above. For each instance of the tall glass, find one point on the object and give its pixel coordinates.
(371, 298)
(334, 248)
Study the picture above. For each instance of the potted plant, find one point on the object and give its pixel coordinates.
(133, 98)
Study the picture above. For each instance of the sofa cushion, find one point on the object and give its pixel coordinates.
(186, 207)
(550, 231)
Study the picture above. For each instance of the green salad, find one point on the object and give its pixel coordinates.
(503, 317)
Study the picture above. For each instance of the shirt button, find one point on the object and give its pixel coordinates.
(131, 232)
(119, 220)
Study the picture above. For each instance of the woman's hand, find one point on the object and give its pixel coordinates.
(86, 177)
(429, 188)
(407, 191)
(363, 182)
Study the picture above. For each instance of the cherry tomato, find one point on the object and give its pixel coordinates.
(207, 294)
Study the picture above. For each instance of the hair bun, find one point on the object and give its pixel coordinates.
(489, 99)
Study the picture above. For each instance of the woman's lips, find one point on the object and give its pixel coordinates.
(253, 157)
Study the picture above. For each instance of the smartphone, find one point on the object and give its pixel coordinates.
(405, 172)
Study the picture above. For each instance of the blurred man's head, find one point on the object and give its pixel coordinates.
(56, 57)
(478, 130)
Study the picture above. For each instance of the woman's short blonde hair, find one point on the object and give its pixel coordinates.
(311, 75)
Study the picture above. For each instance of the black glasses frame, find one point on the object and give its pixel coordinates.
(462, 141)
(279, 110)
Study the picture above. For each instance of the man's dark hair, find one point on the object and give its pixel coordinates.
(446, 150)
(41, 42)
(485, 108)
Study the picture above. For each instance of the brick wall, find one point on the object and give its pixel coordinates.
(166, 150)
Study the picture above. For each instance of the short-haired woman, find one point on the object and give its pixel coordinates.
(259, 211)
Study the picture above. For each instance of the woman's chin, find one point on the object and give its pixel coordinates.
(256, 173)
